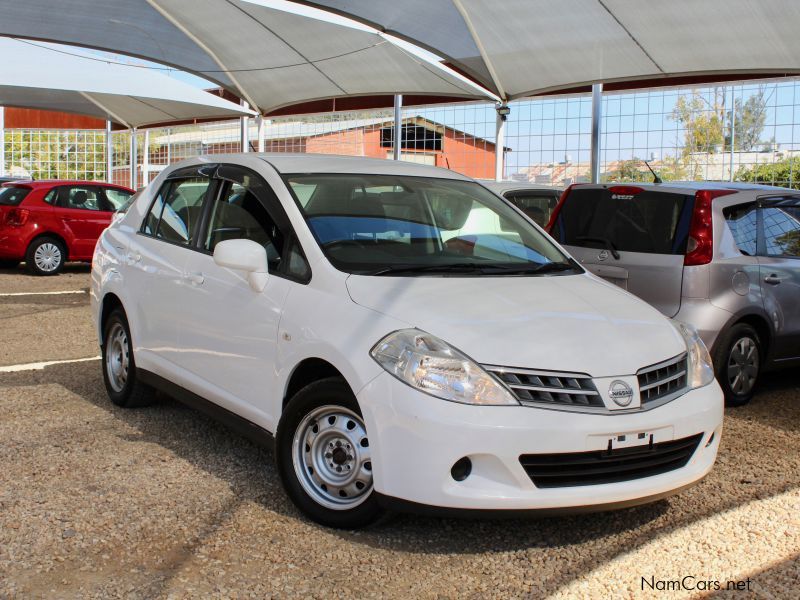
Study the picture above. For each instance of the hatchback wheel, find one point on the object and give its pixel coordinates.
(323, 454)
(738, 363)
(119, 366)
(45, 256)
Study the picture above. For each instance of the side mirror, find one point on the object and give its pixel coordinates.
(244, 255)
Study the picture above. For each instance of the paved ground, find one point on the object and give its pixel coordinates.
(100, 502)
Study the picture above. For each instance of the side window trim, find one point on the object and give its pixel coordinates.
(226, 173)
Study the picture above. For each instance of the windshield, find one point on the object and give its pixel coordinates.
(386, 224)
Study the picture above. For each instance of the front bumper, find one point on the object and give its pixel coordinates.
(415, 439)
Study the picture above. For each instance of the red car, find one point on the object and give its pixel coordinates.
(46, 223)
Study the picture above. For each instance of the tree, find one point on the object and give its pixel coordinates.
(57, 154)
(784, 173)
(749, 120)
(628, 170)
(668, 169)
(702, 119)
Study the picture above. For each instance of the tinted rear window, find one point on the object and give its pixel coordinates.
(12, 196)
(651, 222)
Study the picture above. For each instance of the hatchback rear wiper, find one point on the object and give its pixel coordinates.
(601, 240)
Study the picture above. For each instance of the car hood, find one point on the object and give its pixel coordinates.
(572, 323)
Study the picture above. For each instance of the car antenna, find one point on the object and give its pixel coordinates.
(656, 178)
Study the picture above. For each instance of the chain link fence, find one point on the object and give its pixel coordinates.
(747, 131)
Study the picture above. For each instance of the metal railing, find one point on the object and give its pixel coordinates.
(731, 131)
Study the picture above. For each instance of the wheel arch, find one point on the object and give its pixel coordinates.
(308, 371)
(109, 303)
(50, 234)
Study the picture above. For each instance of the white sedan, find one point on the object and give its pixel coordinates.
(404, 337)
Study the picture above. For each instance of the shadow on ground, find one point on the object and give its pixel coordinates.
(249, 472)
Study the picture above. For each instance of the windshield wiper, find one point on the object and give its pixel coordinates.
(444, 268)
(601, 240)
(488, 269)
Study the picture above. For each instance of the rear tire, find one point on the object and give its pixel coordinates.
(119, 367)
(737, 361)
(323, 456)
(45, 256)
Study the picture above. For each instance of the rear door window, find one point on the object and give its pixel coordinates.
(537, 206)
(85, 197)
(631, 219)
(12, 195)
(781, 225)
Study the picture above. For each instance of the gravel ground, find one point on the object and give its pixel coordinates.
(161, 502)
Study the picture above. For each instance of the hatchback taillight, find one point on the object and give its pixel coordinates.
(700, 247)
(17, 217)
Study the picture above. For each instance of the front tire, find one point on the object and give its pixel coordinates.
(323, 456)
(45, 256)
(119, 367)
(737, 362)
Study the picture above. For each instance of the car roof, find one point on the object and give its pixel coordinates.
(693, 186)
(40, 183)
(501, 187)
(290, 163)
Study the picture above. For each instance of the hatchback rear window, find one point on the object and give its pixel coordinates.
(13, 195)
(645, 221)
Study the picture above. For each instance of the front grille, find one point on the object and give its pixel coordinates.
(608, 466)
(665, 379)
(548, 387)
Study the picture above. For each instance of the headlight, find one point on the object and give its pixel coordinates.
(428, 364)
(700, 366)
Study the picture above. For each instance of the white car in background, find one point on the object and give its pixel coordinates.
(400, 353)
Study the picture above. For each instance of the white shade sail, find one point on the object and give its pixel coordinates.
(269, 57)
(524, 47)
(35, 77)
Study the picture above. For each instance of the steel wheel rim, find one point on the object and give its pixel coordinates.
(117, 357)
(743, 362)
(332, 458)
(47, 257)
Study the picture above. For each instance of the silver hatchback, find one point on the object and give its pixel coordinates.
(724, 257)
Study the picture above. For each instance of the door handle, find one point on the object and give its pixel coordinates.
(195, 278)
(133, 257)
(772, 279)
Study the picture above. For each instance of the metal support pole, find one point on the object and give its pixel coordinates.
(597, 115)
(2, 141)
(500, 141)
(244, 124)
(146, 158)
(733, 129)
(109, 154)
(262, 131)
(134, 158)
(398, 126)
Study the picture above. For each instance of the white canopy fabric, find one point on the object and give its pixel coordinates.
(268, 57)
(526, 47)
(35, 77)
